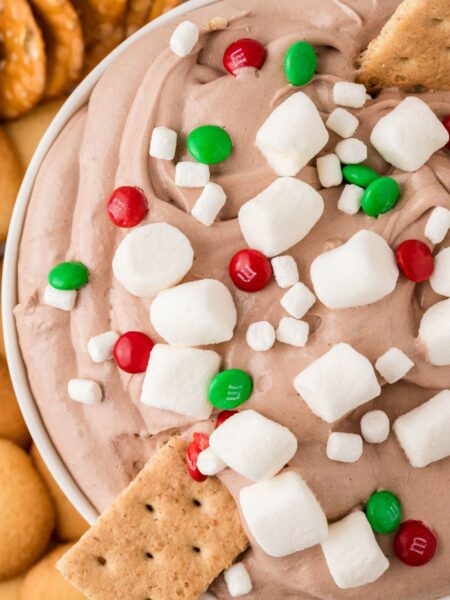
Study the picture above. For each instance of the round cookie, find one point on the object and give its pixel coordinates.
(11, 173)
(44, 581)
(10, 590)
(70, 525)
(26, 510)
(12, 425)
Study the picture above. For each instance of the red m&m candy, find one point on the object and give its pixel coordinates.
(132, 352)
(199, 443)
(446, 123)
(224, 416)
(250, 270)
(415, 544)
(127, 206)
(244, 53)
(415, 260)
(202, 440)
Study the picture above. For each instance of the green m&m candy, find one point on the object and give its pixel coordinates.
(300, 63)
(384, 512)
(68, 276)
(380, 196)
(359, 175)
(230, 389)
(209, 144)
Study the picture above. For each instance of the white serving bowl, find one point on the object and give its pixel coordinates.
(9, 283)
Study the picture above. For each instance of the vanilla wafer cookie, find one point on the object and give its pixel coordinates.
(165, 537)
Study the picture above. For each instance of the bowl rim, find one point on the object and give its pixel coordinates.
(17, 369)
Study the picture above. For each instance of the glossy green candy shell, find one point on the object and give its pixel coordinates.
(359, 175)
(209, 144)
(384, 512)
(380, 196)
(229, 389)
(68, 276)
(300, 63)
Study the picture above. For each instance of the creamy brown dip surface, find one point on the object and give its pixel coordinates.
(105, 145)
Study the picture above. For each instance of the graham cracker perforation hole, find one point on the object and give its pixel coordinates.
(196, 549)
(149, 555)
(101, 560)
(150, 508)
(196, 502)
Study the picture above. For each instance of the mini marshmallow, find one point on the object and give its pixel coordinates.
(191, 174)
(393, 365)
(163, 144)
(285, 271)
(184, 38)
(349, 94)
(283, 515)
(423, 432)
(351, 151)
(352, 553)
(238, 580)
(409, 134)
(280, 216)
(62, 299)
(151, 258)
(438, 225)
(375, 427)
(177, 379)
(261, 336)
(298, 300)
(344, 447)
(350, 199)
(208, 463)
(100, 347)
(292, 135)
(293, 332)
(329, 170)
(209, 204)
(338, 382)
(434, 331)
(85, 391)
(440, 279)
(342, 122)
(254, 446)
(194, 314)
(361, 271)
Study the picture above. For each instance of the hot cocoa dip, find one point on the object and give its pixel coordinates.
(104, 146)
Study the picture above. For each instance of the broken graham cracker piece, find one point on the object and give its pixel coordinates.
(413, 49)
(166, 537)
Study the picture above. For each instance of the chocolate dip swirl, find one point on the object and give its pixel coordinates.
(105, 145)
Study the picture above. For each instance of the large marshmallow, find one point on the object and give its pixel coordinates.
(352, 553)
(194, 314)
(280, 216)
(424, 432)
(361, 271)
(393, 365)
(440, 279)
(292, 135)
(408, 135)
(337, 383)
(151, 258)
(438, 224)
(253, 445)
(283, 515)
(177, 379)
(344, 447)
(434, 331)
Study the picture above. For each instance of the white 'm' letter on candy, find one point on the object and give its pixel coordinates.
(423, 432)
(151, 258)
(253, 445)
(352, 553)
(283, 515)
(280, 216)
(337, 383)
(292, 135)
(177, 379)
(184, 38)
(361, 271)
(405, 146)
(434, 331)
(195, 313)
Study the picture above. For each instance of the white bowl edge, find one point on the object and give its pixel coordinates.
(17, 368)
